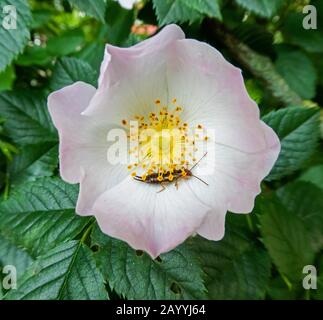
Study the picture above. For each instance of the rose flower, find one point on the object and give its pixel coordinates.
(191, 143)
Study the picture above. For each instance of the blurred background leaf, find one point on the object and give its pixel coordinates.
(14, 39)
(169, 11)
(263, 8)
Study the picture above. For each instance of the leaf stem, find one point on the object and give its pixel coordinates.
(250, 224)
(87, 232)
(6, 188)
(288, 283)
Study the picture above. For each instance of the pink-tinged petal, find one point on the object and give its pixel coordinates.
(133, 78)
(65, 107)
(120, 63)
(94, 182)
(262, 165)
(212, 93)
(83, 145)
(235, 181)
(249, 170)
(131, 96)
(68, 103)
(104, 66)
(213, 226)
(154, 222)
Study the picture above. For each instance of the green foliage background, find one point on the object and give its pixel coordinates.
(60, 255)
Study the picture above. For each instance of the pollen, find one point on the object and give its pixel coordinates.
(166, 144)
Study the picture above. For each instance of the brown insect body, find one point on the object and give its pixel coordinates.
(177, 175)
(153, 178)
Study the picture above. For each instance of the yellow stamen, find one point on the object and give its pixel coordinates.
(167, 148)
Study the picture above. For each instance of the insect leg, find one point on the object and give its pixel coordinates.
(163, 188)
(176, 182)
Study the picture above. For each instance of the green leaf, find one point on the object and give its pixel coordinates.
(134, 275)
(92, 54)
(298, 130)
(67, 272)
(319, 293)
(27, 117)
(301, 80)
(305, 200)
(254, 90)
(95, 9)
(1, 290)
(41, 17)
(66, 43)
(260, 66)
(69, 70)
(33, 161)
(7, 78)
(286, 238)
(294, 33)
(40, 215)
(10, 254)
(119, 23)
(13, 41)
(8, 149)
(237, 268)
(263, 8)
(314, 175)
(256, 37)
(278, 290)
(169, 11)
(34, 55)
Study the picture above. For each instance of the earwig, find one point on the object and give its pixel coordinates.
(177, 174)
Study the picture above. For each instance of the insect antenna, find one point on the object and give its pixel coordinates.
(200, 179)
(195, 166)
(198, 161)
(193, 174)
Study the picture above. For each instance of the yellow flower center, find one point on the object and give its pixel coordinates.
(160, 143)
